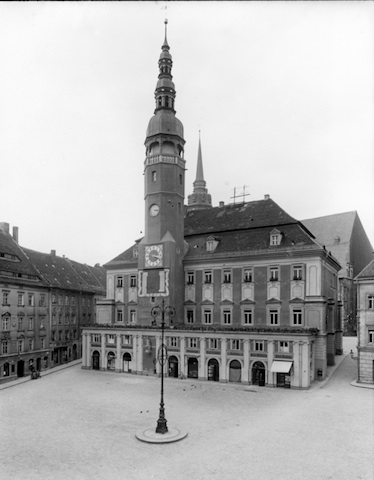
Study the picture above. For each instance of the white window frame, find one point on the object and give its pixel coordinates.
(207, 314)
(208, 277)
(188, 319)
(132, 281)
(273, 316)
(297, 313)
(193, 342)
(190, 280)
(371, 336)
(284, 346)
(297, 272)
(259, 346)
(247, 312)
(235, 344)
(119, 315)
(132, 316)
(119, 281)
(274, 274)
(248, 275)
(214, 343)
(227, 276)
(226, 315)
(370, 302)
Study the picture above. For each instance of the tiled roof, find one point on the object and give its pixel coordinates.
(251, 215)
(60, 272)
(238, 228)
(248, 240)
(13, 262)
(367, 272)
(330, 228)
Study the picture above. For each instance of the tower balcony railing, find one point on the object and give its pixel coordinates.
(164, 158)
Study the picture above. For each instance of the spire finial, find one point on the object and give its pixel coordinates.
(166, 31)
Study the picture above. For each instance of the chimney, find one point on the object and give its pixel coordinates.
(53, 253)
(266, 197)
(15, 234)
(221, 204)
(4, 227)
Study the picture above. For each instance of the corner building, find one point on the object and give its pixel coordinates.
(255, 294)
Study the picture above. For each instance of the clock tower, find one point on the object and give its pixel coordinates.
(162, 249)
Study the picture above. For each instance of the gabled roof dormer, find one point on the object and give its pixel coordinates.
(211, 243)
(275, 237)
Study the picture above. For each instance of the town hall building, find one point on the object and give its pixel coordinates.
(255, 295)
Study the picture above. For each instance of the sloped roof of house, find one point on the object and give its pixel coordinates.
(60, 272)
(238, 228)
(344, 236)
(367, 272)
(13, 262)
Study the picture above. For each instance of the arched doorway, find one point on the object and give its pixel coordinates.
(235, 371)
(193, 368)
(20, 368)
(173, 366)
(258, 374)
(213, 370)
(111, 361)
(38, 364)
(96, 360)
(126, 362)
(6, 370)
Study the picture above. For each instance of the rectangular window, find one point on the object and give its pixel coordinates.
(284, 347)
(31, 344)
(190, 278)
(259, 346)
(273, 274)
(192, 342)
(96, 338)
(54, 299)
(31, 323)
(73, 301)
(173, 341)
(119, 316)
(20, 323)
(297, 316)
(209, 246)
(53, 319)
(5, 323)
(214, 343)
(275, 239)
(207, 316)
(133, 281)
(133, 316)
(226, 317)
(73, 319)
(20, 346)
(247, 317)
(5, 298)
(154, 176)
(208, 276)
(235, 344)
(30, 299)
(4, 347)
(227, 276)
(111, 338)
(273, 317)
(66, 300)
(126, 339)
(20, 300)
(297, 272)
(42, 302)
(190, 316)
(119, 282)
(371, 336)
(42, 343)
(248, 275)
(42, 323)
(371, 302)
(60, 299)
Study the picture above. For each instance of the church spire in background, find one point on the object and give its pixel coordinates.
(200, 198)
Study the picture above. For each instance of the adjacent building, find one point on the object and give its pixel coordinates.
(365, 323)
(344, 236)
(254, 294)
(45, 301)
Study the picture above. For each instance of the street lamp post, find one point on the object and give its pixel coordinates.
(162, 358)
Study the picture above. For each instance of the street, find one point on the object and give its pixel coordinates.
(81, 424)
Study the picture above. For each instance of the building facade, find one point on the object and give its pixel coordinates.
(45, 301)
(344, 236)
(255, 295)
(365, 323)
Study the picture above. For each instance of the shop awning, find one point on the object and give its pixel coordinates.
(281, 367)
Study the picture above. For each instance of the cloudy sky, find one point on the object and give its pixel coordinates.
(281, 91)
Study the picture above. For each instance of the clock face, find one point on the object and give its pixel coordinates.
(153, 255)
(154, 209)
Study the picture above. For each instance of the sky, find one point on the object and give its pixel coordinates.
(282, 93)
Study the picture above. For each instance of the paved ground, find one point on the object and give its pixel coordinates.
(79, 424)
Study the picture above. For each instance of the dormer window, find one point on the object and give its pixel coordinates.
(211, 244)
(275, 237)
(135, 252)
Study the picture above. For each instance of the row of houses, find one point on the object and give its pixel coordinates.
(45, 299)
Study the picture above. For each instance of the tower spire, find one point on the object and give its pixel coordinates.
(200, 198)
